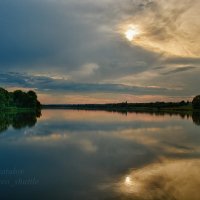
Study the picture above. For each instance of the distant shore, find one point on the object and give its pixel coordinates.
(172, 107)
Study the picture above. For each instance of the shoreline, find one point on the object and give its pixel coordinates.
(15, 110)
(127, 108)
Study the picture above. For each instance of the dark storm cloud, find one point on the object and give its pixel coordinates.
(62, 36)
(38, 33)
(46, 33)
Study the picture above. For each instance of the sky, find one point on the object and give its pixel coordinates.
(89, 51)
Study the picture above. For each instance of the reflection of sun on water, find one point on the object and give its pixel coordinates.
(160, 180)
(128, 186)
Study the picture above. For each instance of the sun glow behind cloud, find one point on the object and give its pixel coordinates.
(165, 29)
(131, 33)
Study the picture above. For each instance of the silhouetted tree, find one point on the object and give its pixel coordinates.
(32, 99)
(4, 97)
(196, 102)
(19, 99)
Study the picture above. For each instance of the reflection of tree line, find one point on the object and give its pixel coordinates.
(183, 109)
(18, 120)
(195, 116)
(29, 119)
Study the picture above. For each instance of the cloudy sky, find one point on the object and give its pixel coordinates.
(87, 51)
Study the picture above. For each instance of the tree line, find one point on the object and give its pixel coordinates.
(19, 99)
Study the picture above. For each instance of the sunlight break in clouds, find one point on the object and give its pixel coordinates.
(132, 32)
(166, 28)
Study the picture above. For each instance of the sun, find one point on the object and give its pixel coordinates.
(131, 33)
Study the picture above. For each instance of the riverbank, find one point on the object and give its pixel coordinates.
(14, 110)
(130, 107)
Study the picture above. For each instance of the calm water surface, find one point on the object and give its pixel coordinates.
(100, 155)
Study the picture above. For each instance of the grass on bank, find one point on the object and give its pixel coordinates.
(14, 110)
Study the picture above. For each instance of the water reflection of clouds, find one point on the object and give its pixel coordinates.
(164, 136)
(62, 139)
(168, 140)
(99, 116)
(177, 179)
(109, 148)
